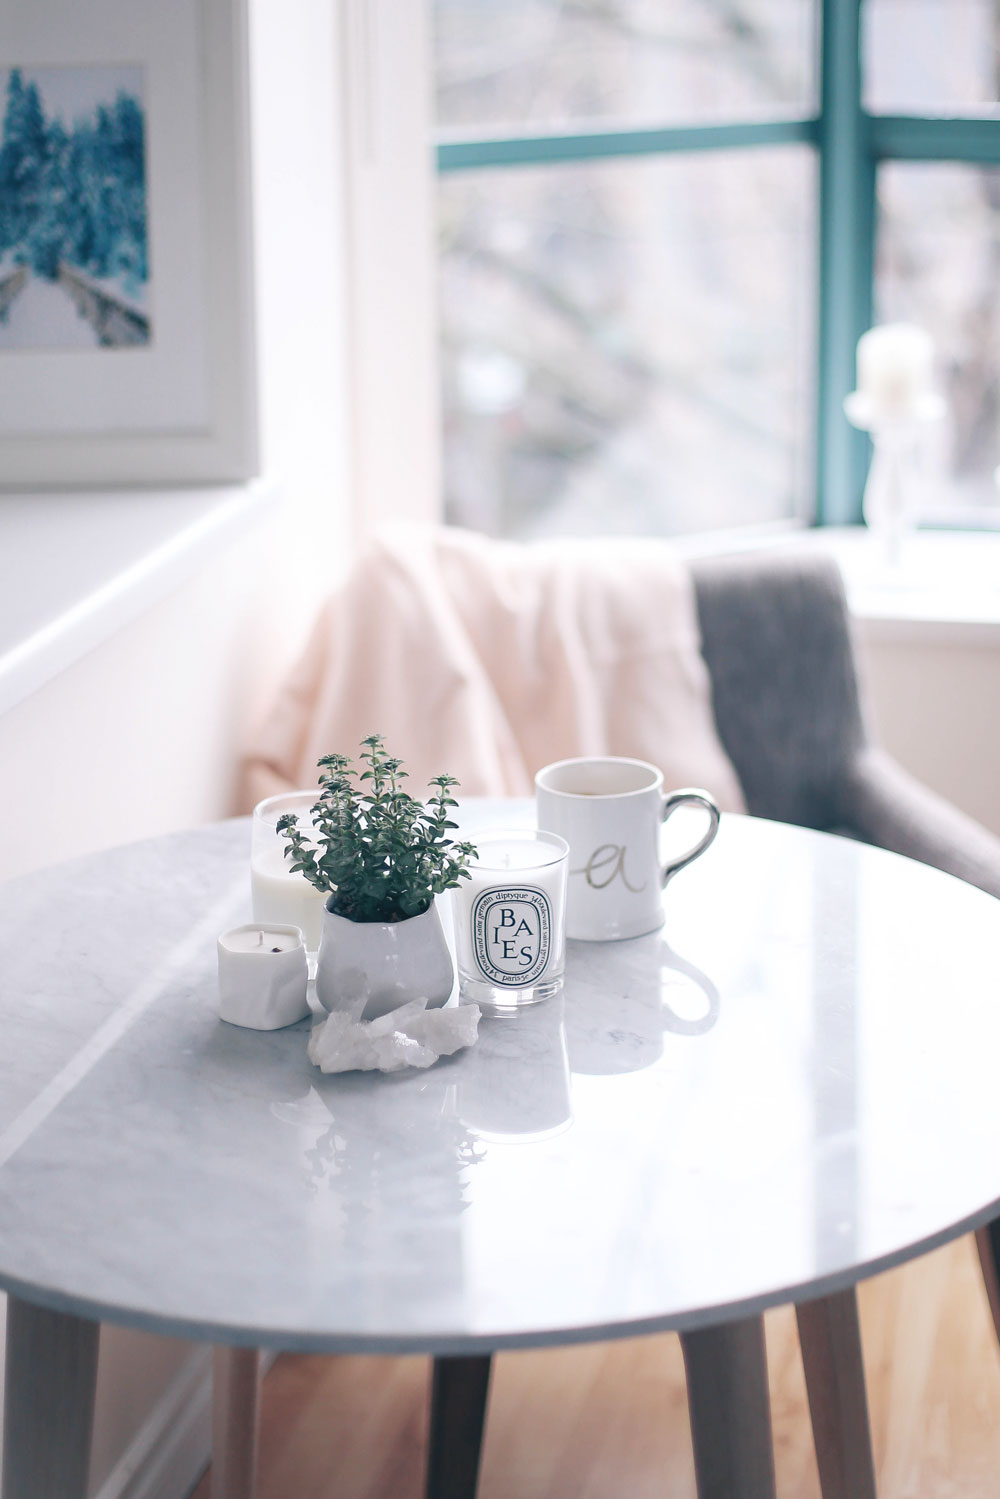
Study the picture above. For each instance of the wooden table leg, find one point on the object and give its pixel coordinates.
(235, 1421)
(730, 1410)
(459, 1387)
(51, 1374)
(830, 1339)
(988, 1244)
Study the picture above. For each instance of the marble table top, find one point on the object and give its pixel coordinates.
(789, 1087)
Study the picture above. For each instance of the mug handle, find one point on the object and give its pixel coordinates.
(689, 797)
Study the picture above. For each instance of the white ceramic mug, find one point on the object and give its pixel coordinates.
(610, 811)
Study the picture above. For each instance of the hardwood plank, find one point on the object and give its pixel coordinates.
(933, 1378)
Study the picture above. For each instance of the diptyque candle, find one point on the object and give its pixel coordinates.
(510, 919)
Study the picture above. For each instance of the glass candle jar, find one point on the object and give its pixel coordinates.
(279, 894)
(510, 919)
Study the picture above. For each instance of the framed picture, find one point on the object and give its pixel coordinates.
(126, 325)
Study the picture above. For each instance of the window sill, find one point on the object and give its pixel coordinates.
(946, 589)
(78, 566)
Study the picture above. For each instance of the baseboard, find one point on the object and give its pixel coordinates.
(169, 1452)
(172, 1447)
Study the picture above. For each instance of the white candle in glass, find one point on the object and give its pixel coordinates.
(278, 894)
(895, 370)
(262, 976)
(510, 919)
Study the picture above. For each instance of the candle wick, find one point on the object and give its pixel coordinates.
(260, 939)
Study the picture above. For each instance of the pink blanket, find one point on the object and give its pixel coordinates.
(489, 659)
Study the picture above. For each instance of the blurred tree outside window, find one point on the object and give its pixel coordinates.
(629, 244)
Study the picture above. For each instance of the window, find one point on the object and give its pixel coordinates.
(663, 225)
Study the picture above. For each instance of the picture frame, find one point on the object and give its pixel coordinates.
(126, 278)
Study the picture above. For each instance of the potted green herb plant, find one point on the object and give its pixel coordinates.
(382, 855)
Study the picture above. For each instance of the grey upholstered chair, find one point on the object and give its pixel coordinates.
(776, 638)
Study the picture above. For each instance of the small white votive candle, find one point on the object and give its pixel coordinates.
(262, 976)
(895, 369)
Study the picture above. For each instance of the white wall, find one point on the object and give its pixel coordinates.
(390, 243)
(935, 705)
(303, 319)
(145, 729)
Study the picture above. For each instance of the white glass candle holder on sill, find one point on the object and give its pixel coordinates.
(890, 504)
(279, 895)
(510, 920)
(894, 402)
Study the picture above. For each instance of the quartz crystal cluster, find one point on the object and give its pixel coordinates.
(411, 1036)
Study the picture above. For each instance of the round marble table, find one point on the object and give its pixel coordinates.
(788, 1088)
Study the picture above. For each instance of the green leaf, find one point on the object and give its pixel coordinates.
(383, 852)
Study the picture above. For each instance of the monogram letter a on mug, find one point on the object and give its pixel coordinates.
(610, 811)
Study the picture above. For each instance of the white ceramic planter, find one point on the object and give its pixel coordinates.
(372, 967)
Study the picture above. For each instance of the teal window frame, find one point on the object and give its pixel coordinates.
(850, 144)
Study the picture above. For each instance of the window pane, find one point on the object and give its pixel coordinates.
(628, 345)
(518, 64)
(939, 265)
(931, 56)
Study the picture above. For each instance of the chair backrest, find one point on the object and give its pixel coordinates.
(776, 638)
(490, 659)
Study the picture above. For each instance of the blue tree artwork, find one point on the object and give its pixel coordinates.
(74, 258)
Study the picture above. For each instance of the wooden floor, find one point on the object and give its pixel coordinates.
(609, 1421)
